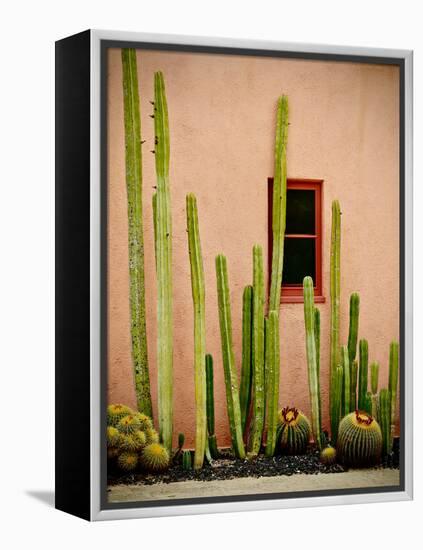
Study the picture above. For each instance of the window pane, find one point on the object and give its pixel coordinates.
(300, 213)
(299, 260)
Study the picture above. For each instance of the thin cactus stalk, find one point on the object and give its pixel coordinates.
(279, 204)
(335, 291)
(133, 162)
(393, 385)
(363, 374)
(313, 382)
(353, 385)
(257, 422)
(353, 330)
(199, 301)
(164, 265)
(231, 382)
(210, 407)
(154, 201)
(272, 373)
(385, 419)
(347, 381)
(338, 391)
(317, 340)
(374, 381)
(246, 366)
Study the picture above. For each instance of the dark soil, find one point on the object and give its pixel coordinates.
(228, 467)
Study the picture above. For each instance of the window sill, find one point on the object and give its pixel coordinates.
(300, 300)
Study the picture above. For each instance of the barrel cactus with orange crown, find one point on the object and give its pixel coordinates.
(359, 442)
(293, 431)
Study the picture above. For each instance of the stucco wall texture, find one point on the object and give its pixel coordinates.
(344, 129)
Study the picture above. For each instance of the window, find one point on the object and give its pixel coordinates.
(303, 238)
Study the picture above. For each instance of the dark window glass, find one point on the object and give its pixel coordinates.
(299, 261)
(300, 212)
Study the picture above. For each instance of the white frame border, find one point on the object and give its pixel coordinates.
(95, 269)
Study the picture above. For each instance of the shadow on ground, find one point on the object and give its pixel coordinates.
(46, 497)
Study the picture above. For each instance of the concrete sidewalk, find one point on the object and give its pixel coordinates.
(352, 479)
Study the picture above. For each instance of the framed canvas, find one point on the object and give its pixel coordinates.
(233, 275)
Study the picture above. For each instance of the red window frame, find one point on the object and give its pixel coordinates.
(292, 294)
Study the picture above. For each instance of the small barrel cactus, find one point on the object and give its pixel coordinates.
(328, 456)
(116, 412)
(293, 432)
(154, 458)
(113, 436)
(127, 461)
(359, 441)
(145, 421)
(133, 442)
(151, 435)
(129, 424)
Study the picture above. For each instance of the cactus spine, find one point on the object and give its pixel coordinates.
(385, 419)
(210, 407)
(279, 203)
(164, 265)
(133, 162)
(258, 352)
(199, 301)
(374, 381)
(393, 385)
(231, 383)
(272, 384)
(363, 374)
(313, 379)
(335, 290)
(353, 330)
(246, 367)
(347, 381)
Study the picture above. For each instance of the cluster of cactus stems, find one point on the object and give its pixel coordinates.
(313, 373)
(163, 246)
(212, 442)
(199, 301)
(335, 291)
(133, 164)
(257, 421)
(228, 357)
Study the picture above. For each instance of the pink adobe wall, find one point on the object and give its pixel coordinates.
(344, 129)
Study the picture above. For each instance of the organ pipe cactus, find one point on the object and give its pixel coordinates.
(164, 265)
(353, 384)
(199, 301)
(347, 381)
(317, 340)
(337, 403)
(359, 440)
(279, 203)
(353, 330)
(393, 385)
(257, 424)
(133, 164)
(385, 419)
(374, 380)
(231, 382)
(272, 376)
(363, 373)
(210, 407)
(335, 290)
(246, 366)
(313, 379)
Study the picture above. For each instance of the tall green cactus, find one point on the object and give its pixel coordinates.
(374, 381)
(279, 203)
(133, 162)
(363, 374)
(353, 329)
(231, 382)
(335, 290)
(317, 340)
(337, 403)
(385, 419)
(393, 385)
(164, 265)
(246, 366)
(347, 381)
(313, 382)
(353, 385)
(199, 301)
(272, 385)
(210, 407)
(257, 424)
